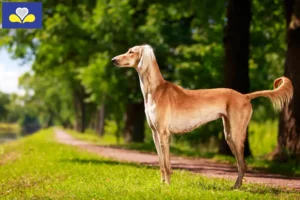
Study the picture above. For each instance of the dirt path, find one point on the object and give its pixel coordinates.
(203, 166)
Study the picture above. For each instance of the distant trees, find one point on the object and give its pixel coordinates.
(51, 104)
(11, 111)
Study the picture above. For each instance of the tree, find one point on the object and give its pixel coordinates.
(4, 101)
(134, 123)
(289, 124)
(236, 44)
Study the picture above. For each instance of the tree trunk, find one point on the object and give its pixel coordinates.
(80, 109)
(50, 121)
(99, 123)
(288, 145)
(134, 123)
(236, 43)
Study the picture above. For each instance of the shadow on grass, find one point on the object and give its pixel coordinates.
(251, 188)
(107, 162)
(176, 151)
(258, 189)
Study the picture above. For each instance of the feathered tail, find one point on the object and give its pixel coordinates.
(281, 95)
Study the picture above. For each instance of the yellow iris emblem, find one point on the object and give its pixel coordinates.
(22, 16)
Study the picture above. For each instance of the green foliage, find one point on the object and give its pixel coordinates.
(95, 78)
(263, 137)
(15, 109)
(267, 51)
(37, 167)
(48, 98)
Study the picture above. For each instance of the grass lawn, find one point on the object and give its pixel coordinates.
(37, 167)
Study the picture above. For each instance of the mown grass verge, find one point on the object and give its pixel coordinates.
(37, 167)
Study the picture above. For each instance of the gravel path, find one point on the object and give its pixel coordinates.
(206, 167)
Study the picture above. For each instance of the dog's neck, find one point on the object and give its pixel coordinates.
(150, 79)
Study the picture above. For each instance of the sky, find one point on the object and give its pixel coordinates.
(10, 71)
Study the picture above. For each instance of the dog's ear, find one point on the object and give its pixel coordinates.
(147, 57)
(141, 57)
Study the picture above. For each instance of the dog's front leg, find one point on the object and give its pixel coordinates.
(165, 147)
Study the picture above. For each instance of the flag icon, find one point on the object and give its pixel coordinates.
(26, 15)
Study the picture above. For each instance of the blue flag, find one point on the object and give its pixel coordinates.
(26, 15)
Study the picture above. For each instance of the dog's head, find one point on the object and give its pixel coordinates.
(139, 57)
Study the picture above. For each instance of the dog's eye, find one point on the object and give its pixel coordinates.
(130, 52)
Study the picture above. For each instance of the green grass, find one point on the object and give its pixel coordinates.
(91, 136)
(37, 167)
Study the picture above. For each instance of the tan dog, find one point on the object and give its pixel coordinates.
(171, 109)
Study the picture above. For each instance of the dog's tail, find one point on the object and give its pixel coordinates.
(281, 95)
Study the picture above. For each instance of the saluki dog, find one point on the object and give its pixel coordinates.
(171, 109)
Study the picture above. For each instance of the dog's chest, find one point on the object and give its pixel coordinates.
(150, 110)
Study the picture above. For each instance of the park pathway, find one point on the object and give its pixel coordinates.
(203, 166)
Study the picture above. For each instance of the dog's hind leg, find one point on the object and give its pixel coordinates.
(235, 126)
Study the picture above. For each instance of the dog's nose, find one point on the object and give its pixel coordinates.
(114, 60)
